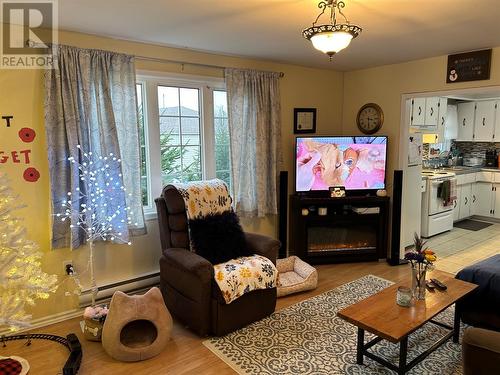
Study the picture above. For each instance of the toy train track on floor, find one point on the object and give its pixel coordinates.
(71, 342)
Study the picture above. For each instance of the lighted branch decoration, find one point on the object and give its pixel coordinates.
(99, 208)
(22, 280)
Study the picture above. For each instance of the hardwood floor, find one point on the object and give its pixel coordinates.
(185, 353)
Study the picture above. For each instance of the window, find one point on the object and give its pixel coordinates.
(221, 129)
(180, 137)
(184, 132)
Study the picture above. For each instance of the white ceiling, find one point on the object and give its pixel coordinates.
(393, 30)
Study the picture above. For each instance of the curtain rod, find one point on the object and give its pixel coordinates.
(157, 59)
(32, 44)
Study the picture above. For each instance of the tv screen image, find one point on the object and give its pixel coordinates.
(358, 163)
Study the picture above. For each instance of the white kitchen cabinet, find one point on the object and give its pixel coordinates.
(456, 205)
(496, 201)
(431, 112)
(442, 111)
(484, 124)
(497, 121)
(418, 112)
(482, 199)
(485, 176)
(465, 201)
(429, 115)
(466, 114)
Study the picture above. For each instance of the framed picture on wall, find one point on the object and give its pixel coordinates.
(304, 120)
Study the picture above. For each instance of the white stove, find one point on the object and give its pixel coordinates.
(437, 216)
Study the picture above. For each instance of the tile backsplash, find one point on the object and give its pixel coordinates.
(475, 149)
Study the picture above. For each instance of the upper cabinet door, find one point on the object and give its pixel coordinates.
(418, 112)
(431, 112)
(442, 112)
(485, 121)
(466, 113)
(496, 134)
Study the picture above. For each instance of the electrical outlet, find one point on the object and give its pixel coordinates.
(67, 266)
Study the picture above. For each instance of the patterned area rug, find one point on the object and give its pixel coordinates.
(308, 338)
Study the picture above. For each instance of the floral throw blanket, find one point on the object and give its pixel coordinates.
(203, 198)
(242, 275)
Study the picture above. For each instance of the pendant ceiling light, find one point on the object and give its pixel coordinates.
(333, 37)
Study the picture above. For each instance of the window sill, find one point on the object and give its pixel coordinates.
(150, 214)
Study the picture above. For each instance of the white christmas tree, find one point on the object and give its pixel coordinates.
(99, 208)
(22, 280)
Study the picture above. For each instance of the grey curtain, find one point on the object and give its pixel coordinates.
(90, 100)
(255, 137)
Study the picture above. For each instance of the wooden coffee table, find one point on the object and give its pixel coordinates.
(380, 315)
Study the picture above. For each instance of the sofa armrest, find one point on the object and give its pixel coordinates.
(481, 351)
(188, 261)
(263, 245)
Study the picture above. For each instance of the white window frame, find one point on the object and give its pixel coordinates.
(145, 111)
(206, 87)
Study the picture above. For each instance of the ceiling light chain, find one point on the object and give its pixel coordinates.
(331, 38)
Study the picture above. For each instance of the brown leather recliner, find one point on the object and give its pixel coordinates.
(187, 279)
(481, 352)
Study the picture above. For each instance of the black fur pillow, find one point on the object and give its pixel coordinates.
(218, 238)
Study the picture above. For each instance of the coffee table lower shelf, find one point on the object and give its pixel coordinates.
(403, 367)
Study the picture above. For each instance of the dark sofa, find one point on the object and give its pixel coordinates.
(481, 309)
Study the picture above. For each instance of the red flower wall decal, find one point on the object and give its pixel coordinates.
(31, 174)
(27, 135)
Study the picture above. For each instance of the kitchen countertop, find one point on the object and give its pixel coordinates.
(461, 170)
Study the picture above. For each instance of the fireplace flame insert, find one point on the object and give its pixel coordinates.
(347, 229)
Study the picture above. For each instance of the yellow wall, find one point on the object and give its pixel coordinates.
(337, 97)
(385, 85)
(21, 94)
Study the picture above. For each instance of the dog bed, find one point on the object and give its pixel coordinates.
(295, 275)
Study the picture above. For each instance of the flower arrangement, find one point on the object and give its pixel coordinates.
(97, 313)
(420, 254)
(422, 259)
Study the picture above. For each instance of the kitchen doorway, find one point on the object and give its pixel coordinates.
(449, 147)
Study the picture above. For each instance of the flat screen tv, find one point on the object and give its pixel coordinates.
(357, 163)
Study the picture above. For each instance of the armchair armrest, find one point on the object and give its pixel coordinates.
(481, 351)
(263, 245)
(188, 261)
(186, 280)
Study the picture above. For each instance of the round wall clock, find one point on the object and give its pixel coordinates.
(370, 118)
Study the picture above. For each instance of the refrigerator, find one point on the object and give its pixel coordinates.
(412, 191)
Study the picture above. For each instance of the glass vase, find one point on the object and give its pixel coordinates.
(418, 281)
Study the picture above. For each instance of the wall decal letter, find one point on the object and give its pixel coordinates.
(26, 154)
(7, 120)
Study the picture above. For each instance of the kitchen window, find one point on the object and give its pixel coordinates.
(184, 133)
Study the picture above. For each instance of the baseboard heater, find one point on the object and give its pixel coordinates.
(137, 285)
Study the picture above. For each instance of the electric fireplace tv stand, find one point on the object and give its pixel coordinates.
(331, 230)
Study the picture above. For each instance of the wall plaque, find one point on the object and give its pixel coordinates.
(469, 66)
